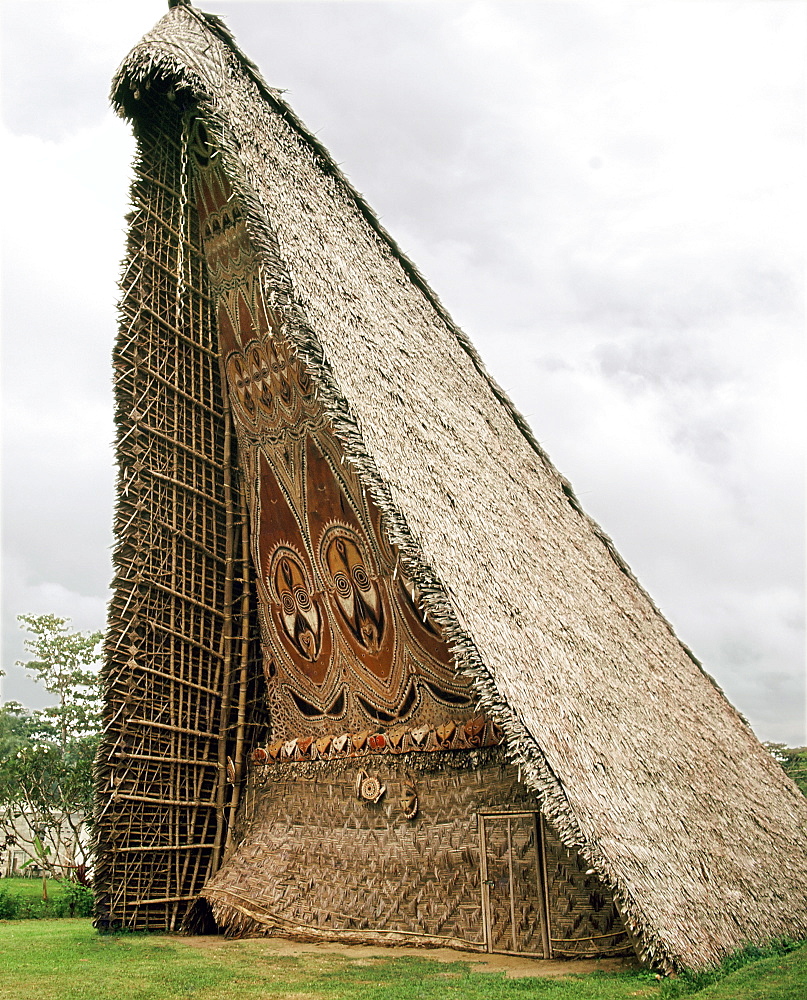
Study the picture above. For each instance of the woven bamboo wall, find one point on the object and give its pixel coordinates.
(583, 917)
(315, 861)
(180, 671)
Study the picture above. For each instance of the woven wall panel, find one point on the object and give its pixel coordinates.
(316, 858)
(316, 861)
(583, 917)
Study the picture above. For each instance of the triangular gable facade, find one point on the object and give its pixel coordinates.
(372, 674)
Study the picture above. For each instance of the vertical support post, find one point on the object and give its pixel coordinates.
(226, 637)
(540, 874)
(243, 677)
(543, 884)
(512, 892)
(483, 868)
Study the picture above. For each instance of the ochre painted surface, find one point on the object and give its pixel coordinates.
(345, 645)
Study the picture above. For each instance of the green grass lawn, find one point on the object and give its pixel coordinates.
(781, 978)
(29, 888)
(68, 960)
(21, 898)
(25, 895)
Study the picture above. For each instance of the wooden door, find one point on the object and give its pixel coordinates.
(513, 896)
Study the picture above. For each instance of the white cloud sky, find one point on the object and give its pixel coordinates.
(609, 198)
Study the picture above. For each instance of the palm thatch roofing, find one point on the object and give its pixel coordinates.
(640, 762)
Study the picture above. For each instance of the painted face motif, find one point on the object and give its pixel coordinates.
(241, 379)
(299, 613)
(277, 362)
(261, 378)
(356, 595)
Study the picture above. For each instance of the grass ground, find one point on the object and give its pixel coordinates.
(780, 978)
(21, 899)
(68, 960)
(29, 888)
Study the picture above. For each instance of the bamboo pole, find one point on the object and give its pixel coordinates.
(226, 637)
(244, 671)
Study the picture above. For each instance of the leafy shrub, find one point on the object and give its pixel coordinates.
(793, 761)
(8, 905)
(70, 899)
(76, 899)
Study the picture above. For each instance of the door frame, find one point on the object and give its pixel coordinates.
(540, 875)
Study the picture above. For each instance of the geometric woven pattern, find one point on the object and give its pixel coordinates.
(315, 861)
(582, 914)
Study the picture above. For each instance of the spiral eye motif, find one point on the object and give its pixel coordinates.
(371, 789)
(356, 595)
(242, 381)
(300, 618)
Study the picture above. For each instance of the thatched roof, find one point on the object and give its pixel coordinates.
(640, 761)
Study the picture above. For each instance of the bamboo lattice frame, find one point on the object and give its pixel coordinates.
(179, 659)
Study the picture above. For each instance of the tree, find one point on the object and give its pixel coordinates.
(17, 727)
(793, 761)
(45, 803)
(62, 663)
(46, 756)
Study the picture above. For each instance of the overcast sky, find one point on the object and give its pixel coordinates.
(610, 200)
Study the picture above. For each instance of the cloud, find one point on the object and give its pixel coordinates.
(62, 247)
(608, 198)
(58, 59)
